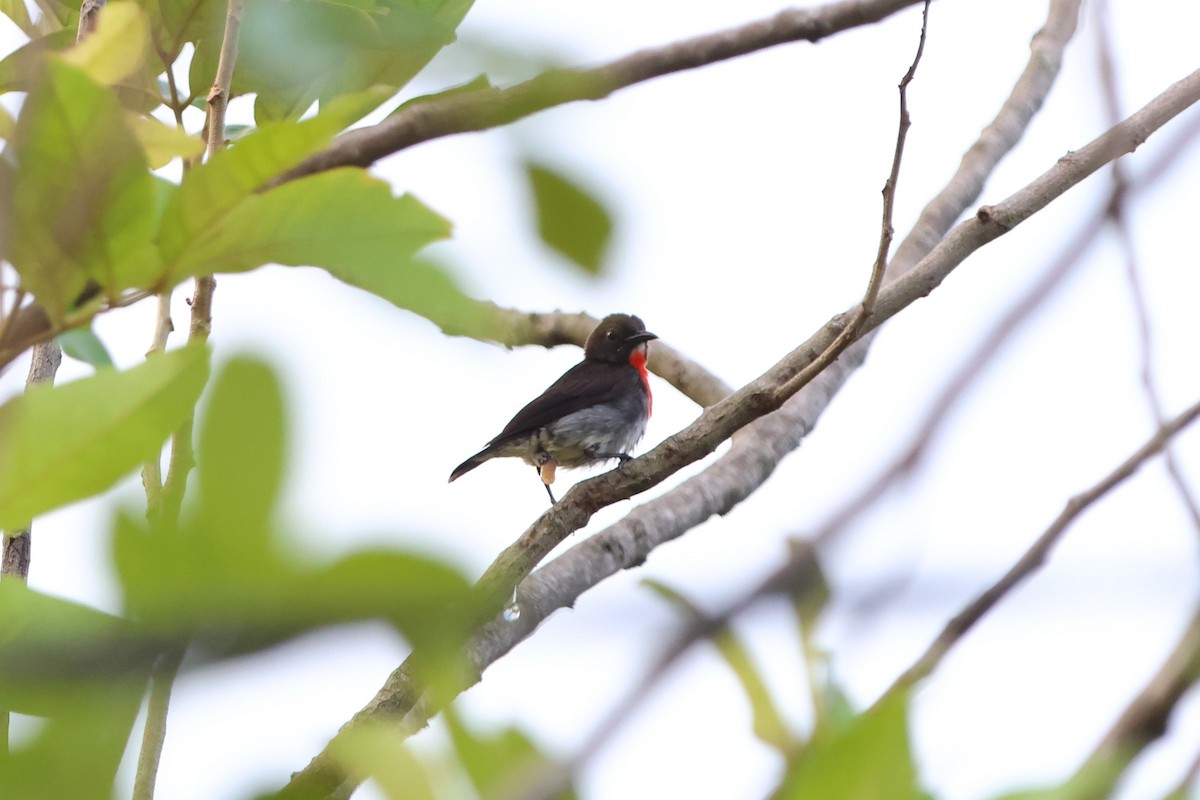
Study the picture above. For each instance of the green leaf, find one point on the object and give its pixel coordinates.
(348, 223)
(19, 14)
(569, 219)
(223, 578)
(64, 443)
(870, 760)
(78, 667)
(240, 455)
(175, 22)
(379, 751)
(51, 649)
(162, 143)
(210, 192)
(768, 724)
(82, 344)
(82, 198)
(333, 48)
(495, 761)
(343, 220)
(19, 69)
(1095, 779)
(118, 46)
(234, 596)
(76, 754)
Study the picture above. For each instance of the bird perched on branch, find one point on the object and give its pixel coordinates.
(595, 412)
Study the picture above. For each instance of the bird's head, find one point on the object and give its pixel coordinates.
(616, 338)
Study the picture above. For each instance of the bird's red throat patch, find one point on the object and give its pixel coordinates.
(637, 360)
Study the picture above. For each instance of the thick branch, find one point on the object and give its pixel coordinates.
(757, 449)
(513, 328)
(490, 108)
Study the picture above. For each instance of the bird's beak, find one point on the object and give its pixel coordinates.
(638, 338)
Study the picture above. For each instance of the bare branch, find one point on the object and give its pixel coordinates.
(1036, 555)
(762, 395)
(481, 109)
(163, 506)
(18, 545)
(1117, 213)
(513, 328)
(756, 450)
(859, 315)
(1145, 718)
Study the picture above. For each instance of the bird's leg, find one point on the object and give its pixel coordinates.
(545, 469)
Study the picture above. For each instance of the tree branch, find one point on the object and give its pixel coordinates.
(1145, 718)
(481, 109)
(163, 507)
(1036, 555)
(756, 450)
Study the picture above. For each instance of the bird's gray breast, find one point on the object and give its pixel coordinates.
(608, 428)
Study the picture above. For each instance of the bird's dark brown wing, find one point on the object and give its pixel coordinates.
(586, 384)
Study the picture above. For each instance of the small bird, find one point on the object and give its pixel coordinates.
(595, 412)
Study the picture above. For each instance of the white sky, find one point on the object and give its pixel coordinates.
(747, 203)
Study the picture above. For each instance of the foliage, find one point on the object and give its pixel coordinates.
(88, 223)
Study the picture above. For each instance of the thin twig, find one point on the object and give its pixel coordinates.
(553, 782)
(1036, 555)
(162, 679)
(756, 451)
(1117, 213)
(485, 108)
(859, 315)
(164, 514)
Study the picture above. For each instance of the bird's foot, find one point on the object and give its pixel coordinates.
(600, 456)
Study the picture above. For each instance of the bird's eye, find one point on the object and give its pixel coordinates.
(612, 334)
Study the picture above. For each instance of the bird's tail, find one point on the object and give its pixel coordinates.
(470, 464)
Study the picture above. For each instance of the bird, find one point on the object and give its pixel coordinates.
(595, 412)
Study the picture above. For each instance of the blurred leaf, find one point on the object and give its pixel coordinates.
(118, 46)
(240, 456)
(475, 84)
(91, 697)
(570, 220)
(211, 191)
(870, 760)
(379, 751)
(19, 14)
(82, 344)
(53, 650)
(57, 14)
(1091, 781)
(59, 444)
(225, 580)
(81, 199)
(161, 142)
(332, 48)
(175, 22)
(496, 763)
(19, 68)
(233, 596)
(75, 755)
(768, 723)
(7, 124)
